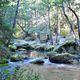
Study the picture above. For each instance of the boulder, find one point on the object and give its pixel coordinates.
(17, 57)
(67, 46)
(61, 58)
(34, 54)
(37, 61)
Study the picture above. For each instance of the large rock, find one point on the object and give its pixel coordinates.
(18, 57)
(67, 46)
(61, 58)
(38, 61)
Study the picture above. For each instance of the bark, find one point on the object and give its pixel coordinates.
(26, 33)
(58, 27)
(71, 26)
(49, 25)
(78, 22)
(16, 13)
(38, 34)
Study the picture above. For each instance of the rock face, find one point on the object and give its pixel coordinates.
(61, 58)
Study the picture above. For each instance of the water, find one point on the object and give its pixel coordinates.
(12, 65)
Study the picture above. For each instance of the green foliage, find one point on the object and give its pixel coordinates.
(65, 32)
(27, 74)
(3, 61)
(5, 30)
(4, 51)
(2, 65)
(6, 74)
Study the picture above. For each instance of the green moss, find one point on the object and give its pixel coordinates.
(65, 47)
(17, 57)
(2, 65)
(3, 61)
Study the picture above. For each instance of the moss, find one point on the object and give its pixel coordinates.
(67, 46)
(61, 58)
(17, 57)
(3, 61)
(12, 47)
(49, 48)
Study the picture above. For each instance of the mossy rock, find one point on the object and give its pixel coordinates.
(61, 58)
(29, 38)
(40, 47)
(37, 61)
(12, 47)
(67, 46)
(17, 57)
(49, 48)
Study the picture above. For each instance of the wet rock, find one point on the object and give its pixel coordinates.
(61, 58)
(34, 54)
(37, 61)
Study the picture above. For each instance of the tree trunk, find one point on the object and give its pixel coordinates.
(58, 27)
(37, 33)
(71, 26)
(49, 26)
(78, 22)
(14, 22)
(16, 13)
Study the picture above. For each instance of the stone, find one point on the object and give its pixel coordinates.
(37, 61)
(17, 57)
(61, 58)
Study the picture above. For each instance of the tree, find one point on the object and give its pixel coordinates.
(5, 29)
(16, 13)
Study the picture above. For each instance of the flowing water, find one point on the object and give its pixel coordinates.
(48, 71)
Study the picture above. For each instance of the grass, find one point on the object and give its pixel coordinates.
(27, 74)
(47, 72)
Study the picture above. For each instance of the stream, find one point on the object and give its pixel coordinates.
(12, 65)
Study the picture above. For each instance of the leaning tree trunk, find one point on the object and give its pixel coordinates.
(78, 22)
(71, 26)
